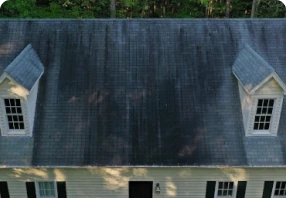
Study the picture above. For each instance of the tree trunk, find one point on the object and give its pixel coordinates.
(227, 8)
(254, 9)
(112, 8)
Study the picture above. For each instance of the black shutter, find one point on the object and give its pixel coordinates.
(267, 190)
(241, 187)
(210, 189)
(61, 186)
(31, 190)
(4, 190)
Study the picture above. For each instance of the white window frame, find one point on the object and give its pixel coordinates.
(7, 130)
(275, 117)
(273, 190)
(233, 192)
(38, 189)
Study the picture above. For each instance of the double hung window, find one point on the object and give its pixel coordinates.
(46, 189)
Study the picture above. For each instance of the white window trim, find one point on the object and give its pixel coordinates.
(275, 118)
(38, 189)
(5, 131)
(233, 193)
(273, 189)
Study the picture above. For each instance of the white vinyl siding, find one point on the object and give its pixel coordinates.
(270, 87)
(113, 182)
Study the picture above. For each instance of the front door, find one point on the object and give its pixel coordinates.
(140, 189)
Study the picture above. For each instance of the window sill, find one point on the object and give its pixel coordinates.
(261, 133)
(16, 132)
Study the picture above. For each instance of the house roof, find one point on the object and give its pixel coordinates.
(250, 68)
(142, 92)
(26, 68)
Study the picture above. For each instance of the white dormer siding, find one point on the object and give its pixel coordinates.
(269, 91)
(32, 101)
(245, 105)
(10, 90)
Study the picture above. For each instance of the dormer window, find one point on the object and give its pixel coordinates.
(263, 114)
(261, 93)
(14, 114)
(18, 93)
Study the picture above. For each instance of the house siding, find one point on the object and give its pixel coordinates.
(32, 100)
(113, 182)
(270, 87)
(245, 105)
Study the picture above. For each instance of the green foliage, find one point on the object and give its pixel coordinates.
(138, 9)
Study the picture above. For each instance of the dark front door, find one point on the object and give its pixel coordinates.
(140, 189)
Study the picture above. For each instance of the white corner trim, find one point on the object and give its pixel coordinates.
(276, 78)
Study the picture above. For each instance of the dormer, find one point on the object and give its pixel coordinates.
(18, 93)
(261, 93)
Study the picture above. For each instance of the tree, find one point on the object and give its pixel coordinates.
(254, 9)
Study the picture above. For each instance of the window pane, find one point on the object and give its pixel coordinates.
(224, 192)
(261, 126)
(266, 126)
(262, 118)
(256, 126)
(16, 125)
(13, 110)
(10, 118)
(7, 102)
(276, 192)
(220, 185)
(22, 126)
(271, 102)
(268, 118)
(18, 103)
(265, 103)
(283, 185)
(264, 110)
(231, 185)
(15, 118)
(260, 102)
(12, 102)
(270, 111)
(19, 110)
(8, 110)
(258, 111)
(219, 192)
(230, 192)
(11, 126)
(225, 185)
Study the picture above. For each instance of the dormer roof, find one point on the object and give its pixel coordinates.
(250, 68)
(26, 68)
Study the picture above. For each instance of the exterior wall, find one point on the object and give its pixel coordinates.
(32, 100)
(245, 105)
(9, 89)
(113, 182)
(270, 87)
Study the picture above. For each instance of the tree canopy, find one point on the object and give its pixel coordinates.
(142, 9)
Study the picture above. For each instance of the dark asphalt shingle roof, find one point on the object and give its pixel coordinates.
(142, 92)
(250, 68)
(26, 68)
